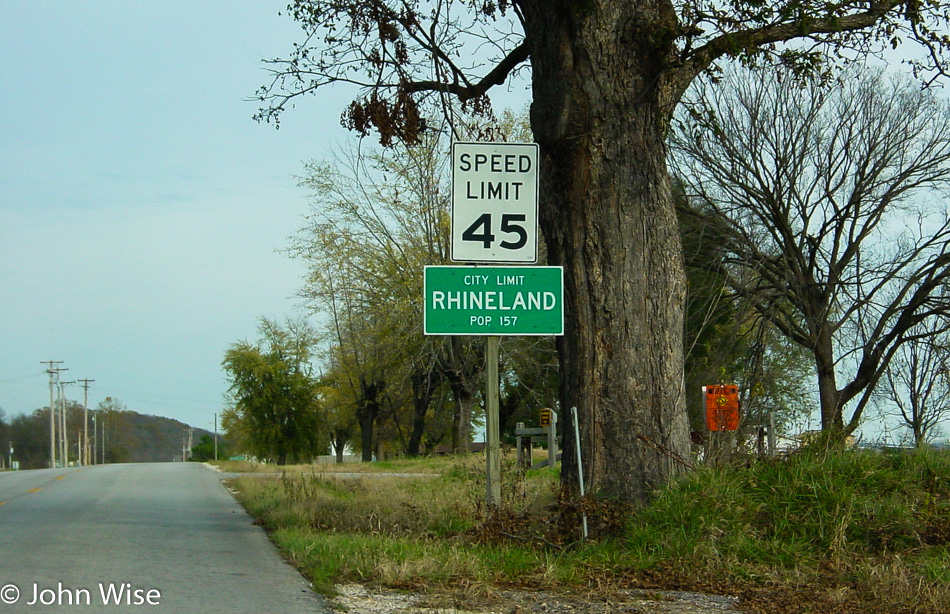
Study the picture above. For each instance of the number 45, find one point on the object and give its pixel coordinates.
(480, 231)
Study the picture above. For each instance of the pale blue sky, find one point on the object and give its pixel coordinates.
(140, 204)
(141, 207)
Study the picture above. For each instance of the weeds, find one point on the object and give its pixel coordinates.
(869, 531)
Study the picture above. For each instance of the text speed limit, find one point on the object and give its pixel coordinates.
(495, 202)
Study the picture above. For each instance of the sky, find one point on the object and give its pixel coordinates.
(142, 209)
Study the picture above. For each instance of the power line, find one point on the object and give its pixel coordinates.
(21, 378)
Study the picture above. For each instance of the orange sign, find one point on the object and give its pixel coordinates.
(722, 407)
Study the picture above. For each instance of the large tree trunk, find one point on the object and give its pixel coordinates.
(366, 419)
(600, 115)
(340, 437)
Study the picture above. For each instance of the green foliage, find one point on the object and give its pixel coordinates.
(30, 436)
(4, 437)
(377, 218)
(128, 436)
(800, 512)
(205, 450)
(275, 412)
(375, 221)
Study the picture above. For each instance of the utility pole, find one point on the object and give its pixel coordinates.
(186, 453)
(85, 420)
(64, 440)
(52, 412)
(215, 435)
(95, 438)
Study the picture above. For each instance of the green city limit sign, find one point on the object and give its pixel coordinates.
(494, 300)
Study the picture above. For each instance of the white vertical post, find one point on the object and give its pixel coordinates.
(580, 465)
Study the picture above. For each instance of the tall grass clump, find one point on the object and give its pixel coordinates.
(849, 517)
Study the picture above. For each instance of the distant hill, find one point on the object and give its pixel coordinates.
(148, 439)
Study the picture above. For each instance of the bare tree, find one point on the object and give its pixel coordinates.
(918, 383)
(727, 340)
(830, 199)
(606, 77)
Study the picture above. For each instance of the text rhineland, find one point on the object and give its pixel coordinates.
(494, 300)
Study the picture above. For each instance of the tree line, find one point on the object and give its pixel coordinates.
(382, 388)
(815, 233)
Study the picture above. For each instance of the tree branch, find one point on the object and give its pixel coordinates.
(733, 42)
(497, 76)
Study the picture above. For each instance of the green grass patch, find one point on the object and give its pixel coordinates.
(861, 528)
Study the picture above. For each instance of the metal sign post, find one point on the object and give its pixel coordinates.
(722, 407)
(492, 430)
(493, 301)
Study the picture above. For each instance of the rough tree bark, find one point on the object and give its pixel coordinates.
(600, 116)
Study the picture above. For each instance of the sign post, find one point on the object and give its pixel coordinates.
(722, 420)
(494, 220)
(492, 429)
(493, 301)
(722, 407)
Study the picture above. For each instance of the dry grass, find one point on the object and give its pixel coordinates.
(431, 466)
(851, 532)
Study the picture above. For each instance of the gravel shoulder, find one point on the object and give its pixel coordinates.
(358, 599)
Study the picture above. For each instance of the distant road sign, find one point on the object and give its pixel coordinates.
(495, 202)
(465, 300)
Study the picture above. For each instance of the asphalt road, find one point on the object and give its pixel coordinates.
(162, 537)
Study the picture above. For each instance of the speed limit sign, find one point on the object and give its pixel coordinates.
(495, 202)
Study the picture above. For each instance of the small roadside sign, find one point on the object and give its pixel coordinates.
(465, 300)
(545, 417)
(722, 407)
(495, 202)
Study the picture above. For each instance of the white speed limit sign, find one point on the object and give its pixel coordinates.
(495, 202)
